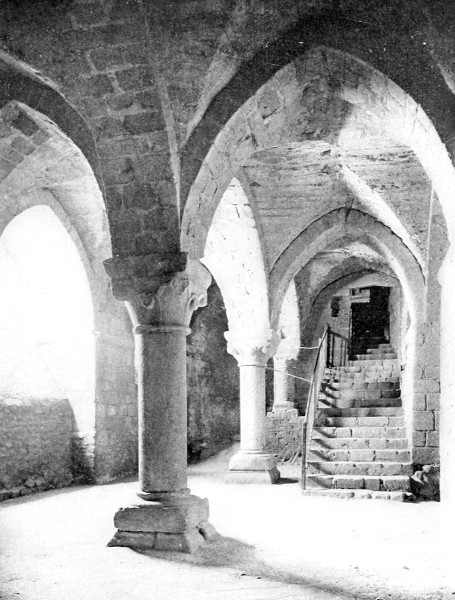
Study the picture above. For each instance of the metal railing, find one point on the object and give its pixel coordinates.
(333, 351)
(338, 349)
(312, 404)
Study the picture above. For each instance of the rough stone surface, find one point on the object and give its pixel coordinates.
(163, 518)
(213, 381)
(35, 446)
(283, 431)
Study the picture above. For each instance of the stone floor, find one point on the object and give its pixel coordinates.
(276, 545)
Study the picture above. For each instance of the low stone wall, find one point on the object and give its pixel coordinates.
(283, 430)
(35, 445)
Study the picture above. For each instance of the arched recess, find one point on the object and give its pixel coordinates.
(46, 317)
(20, 83)
(313, 325)
(50, 170)
(234, 256)
(337, 229)
(272, 116)
(352, 225)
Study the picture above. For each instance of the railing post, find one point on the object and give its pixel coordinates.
(316, 380)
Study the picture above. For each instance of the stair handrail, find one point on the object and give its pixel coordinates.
(341, 358)
(312, 403)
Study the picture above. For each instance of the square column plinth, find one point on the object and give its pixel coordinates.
(252, 467)
(179, 525)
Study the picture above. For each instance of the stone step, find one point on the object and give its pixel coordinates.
(382, 443)
(357, 383)
(370, 363)
(392, 483)
(359, 378)
(360, 421)
(365, 468)
(360, 495)
(359, 432)
(380, 411)
(377, 357)
(354, 393)
(359, 403)
(367, 371)
(319, 454)
(381, 349)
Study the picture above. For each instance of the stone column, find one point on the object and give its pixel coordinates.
(168, 518)
(283, 384)
(251, 464)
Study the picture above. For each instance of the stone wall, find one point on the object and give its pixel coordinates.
(213, 381)
(35, 450)
(284, 433)
(427, 385)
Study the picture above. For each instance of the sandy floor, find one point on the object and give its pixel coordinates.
(275, 544)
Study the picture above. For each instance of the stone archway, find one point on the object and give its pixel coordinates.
(51, 171)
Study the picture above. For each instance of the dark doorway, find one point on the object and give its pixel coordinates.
(370, 319)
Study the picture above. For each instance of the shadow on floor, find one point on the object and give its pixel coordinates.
(233, 554)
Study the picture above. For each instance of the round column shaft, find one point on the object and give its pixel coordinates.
(161, 365)
(252, 407)
(283, 386)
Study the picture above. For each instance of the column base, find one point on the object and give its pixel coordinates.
(288, 407)
(177, 524)
(252, 467)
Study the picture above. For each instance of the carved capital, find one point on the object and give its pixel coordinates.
(248, 351)
(161, 297)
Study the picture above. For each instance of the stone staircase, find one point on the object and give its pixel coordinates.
(359, 447)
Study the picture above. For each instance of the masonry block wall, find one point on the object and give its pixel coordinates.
(213, 381)
(283, 430)
(427, 386)
(116, 417)
(35, 453)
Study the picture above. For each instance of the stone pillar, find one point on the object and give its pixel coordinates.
(283, 385)
(251, 464)
(447, 416)
(168, 518)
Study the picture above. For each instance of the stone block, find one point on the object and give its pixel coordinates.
(135, 79)
(159, 517)
(319, 481)
(22, 145)
(395, 483)
(425, 456)
(145, 541)
(426, 386)
(184, 542)
(144, 122)
(433, 400)
(361, 455)
(418, 438)
(372, 483)
(118, 171)
(351, 483)
(432, 439)
(423, 421)
(98, 85)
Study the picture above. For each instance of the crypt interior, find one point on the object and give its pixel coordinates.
(226, 256)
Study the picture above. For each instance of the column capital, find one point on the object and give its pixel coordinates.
(249, 351)
(162, 297)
